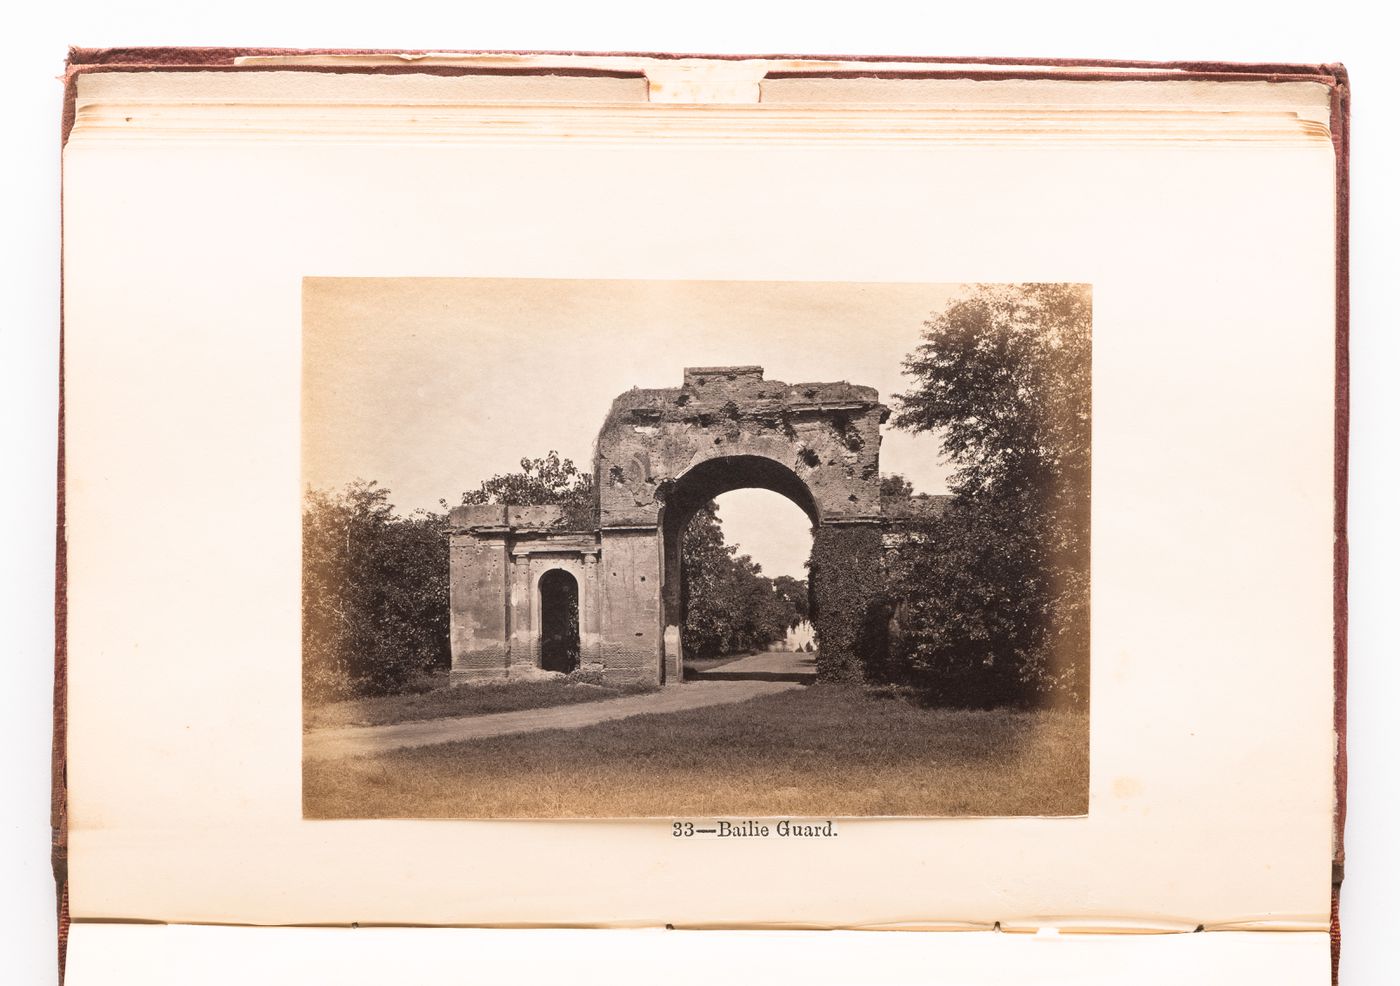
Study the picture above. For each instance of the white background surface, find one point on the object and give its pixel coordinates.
(1274, 32)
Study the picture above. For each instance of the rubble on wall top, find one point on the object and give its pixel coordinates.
(516, 517)
(919, 507)
(736, 391)
(700, 375)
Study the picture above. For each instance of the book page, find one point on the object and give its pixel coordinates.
(224, 237)
(156, 956)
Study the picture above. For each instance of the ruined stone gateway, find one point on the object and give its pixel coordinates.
(523, 577)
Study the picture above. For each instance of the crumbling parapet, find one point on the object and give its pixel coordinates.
(827, 435)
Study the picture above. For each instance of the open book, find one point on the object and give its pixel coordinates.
(541, 490)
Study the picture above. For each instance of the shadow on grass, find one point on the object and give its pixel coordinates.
(447, 701)
(800, 677)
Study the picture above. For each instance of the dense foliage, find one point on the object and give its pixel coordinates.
(990, 600)
(848, 610)
(795, 603)
(730, 605)
(894, 487)
(547, 480)
(374, 583)
(374, 594)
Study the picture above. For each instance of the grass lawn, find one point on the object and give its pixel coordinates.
(824, 751)
(446, 701)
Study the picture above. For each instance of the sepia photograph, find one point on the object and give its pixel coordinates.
(760, 550)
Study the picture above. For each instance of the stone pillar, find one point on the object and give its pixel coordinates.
(524, 633)
(672, 576)
(590, 616)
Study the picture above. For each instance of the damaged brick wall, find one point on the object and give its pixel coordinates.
(664, 452)
(478, 586)
(825, 434)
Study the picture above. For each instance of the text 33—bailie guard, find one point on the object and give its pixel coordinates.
(749, 828)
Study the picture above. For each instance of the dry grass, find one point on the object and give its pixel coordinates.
(468, 700)
(823, 751)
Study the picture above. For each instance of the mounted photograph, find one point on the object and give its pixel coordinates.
(694, 549)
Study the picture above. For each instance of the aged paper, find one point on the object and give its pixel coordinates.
(156, 956)
(1210, 255)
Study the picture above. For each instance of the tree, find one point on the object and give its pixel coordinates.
(541, 481)
(895, 487)
(712, 601)
(795, 601)
(730, 605)
(1004, 376)
(374, 593)
(993, 595)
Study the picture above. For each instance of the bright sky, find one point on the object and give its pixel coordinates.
(430, 385)
(769, 528)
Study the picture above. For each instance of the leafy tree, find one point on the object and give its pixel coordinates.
(895, 487)
(795, 601)
(711, 599)
(730, 605)
(540, 481)
(374, 593)
(992, 597)
(1004, 376)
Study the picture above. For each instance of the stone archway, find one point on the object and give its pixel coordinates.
(661, 453)
(664, 452)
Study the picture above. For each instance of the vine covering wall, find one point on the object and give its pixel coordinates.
(847, 582)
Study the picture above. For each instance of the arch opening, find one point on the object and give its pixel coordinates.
(684, 500)
(707, 480)
(559, 621)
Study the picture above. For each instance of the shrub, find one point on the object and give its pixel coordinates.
(374, 594)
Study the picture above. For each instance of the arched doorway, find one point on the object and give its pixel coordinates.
(559, 621)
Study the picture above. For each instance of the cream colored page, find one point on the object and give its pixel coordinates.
(114, 955)
(186, 241)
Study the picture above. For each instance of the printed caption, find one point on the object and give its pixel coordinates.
(785, 828)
